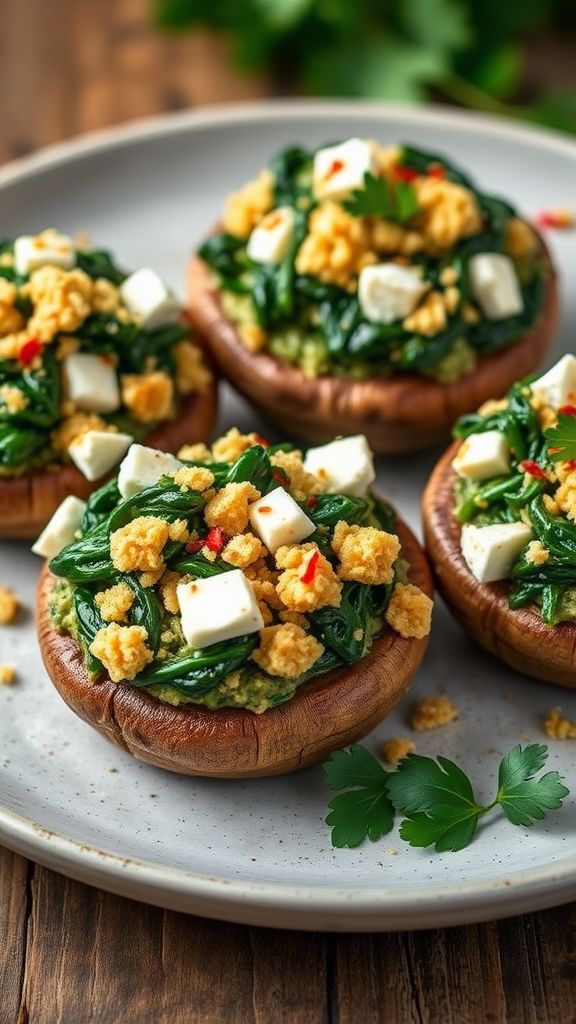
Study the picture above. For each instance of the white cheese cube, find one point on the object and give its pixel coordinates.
(143, 468)
(147, 297)
(557, 387)
(338, 170)
(495, 286)
(481, 456)
(345, 466)
(49, 248)
(271, 240)
(91, 382)
(389, 292)
(490, 551)
(278, 520)
(61, 529)
(218, 608)
(96, 451)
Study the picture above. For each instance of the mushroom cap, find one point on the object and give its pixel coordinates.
(326, 713)
(402, 413)
(519, 637)
(29, 500)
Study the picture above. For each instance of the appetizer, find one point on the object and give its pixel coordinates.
(500, 525)
(91, 359)
(236, 611)
(362, 288)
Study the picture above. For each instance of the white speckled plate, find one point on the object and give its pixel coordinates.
(259, 852)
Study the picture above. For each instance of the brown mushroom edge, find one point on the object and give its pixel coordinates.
(518, 637)
(28, 501)
(326, 713)
(399, 414)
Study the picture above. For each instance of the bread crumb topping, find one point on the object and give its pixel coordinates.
(433, 712)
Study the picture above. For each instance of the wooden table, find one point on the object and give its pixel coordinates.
(70, 954)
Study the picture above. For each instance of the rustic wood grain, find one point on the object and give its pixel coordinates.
(72, 955)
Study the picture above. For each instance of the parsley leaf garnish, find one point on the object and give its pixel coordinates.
(523, 798)
(364, 811)
(434, 795)
(379, 198)
(562, 438)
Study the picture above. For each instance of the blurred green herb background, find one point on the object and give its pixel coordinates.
(475, 53)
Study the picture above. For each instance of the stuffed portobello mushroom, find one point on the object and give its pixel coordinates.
(362, 288)
(237, 611)
(500, 525)
(91, 359)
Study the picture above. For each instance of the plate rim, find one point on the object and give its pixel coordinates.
(313, 907)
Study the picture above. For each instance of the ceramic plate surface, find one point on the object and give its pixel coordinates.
(259, 851)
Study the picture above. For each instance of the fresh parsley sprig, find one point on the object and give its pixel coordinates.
(434, 795)
(379, 198)
(561, 438)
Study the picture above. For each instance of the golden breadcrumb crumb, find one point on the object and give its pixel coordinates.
(9, 606)
(323, 588)
(367, 555)
(537, 554)
(286, 650)
(448, 276)
(409, 611)
(246, 208)
(66, 345)
(550, 505)
(194, 478)
(122, 650)
(263, 581)
(432, 712)
(451, 298)
(7, 675)
(192, 374)
(558, 727)
(470, 313)
(337, 246)
(12, 398)
(150, 579)
(115, 603)
(167, 587)
(10, 318)
(493, 405)
(229, 507)
(148, 396)
(429, 318)
(195, 453)
(296, 617)
(244, 549)
(76, 425)
(520, 240)
(231, 446)
(253, 336)
(105, 296)
(61, 299)
(565, 496)
(302, 483)
(138, 545)
(395, 749)
(11, 344)
(178, 531)
(447, 212)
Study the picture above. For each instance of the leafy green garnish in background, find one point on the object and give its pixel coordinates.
(561, 438)
(475, 53)
(434, 795)
(379, 199)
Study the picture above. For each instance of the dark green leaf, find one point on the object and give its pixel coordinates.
(378, 198)
(561, 439)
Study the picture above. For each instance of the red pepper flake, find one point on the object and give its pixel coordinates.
(335, 167)
(531, 467)
(258, 439)
(436, 171)
(404, 173)
(571, 464)
(30, 349)
(194, 545)
(568, 410)
(310, 570)
(559, 218)
(312, 501)
(281, 476)
(215, 539)
(108, 359)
